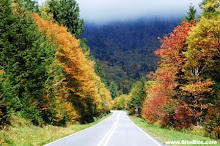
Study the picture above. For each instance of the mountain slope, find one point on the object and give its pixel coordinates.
(126, 49)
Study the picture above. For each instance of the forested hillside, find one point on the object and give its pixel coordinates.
(126, 49)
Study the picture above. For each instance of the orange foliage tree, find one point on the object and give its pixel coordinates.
(85, 91)
(169, 75)
(203, 65)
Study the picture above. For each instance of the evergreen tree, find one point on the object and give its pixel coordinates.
(138, 95)
(113, 90)
(29, 5)
(25, 57)
(8, 98)
(100, 72)
(191, 14)
(66, 12)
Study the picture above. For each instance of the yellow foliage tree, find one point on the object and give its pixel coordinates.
(85, 91)
(106, 97)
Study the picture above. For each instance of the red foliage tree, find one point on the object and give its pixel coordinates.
(153, 109)
(166, 77)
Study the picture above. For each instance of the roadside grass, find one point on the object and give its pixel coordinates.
(164, 135)
(26, 134)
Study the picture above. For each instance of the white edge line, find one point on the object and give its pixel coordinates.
(145, 133)
(75, 133)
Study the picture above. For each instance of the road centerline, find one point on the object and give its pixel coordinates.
(116, 130)
(106, 138)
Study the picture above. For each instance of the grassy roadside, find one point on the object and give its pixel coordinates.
(163, 135)
(26, 134)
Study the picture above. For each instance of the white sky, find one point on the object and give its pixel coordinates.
(102, 11)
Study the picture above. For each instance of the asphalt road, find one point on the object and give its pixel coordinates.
(116, 130)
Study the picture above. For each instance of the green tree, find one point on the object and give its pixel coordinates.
(8, 97)
(29, 5)
(66, 12)
(113, 90)
(100, 72)
(25, 57)
(138, 95)
(191, 14)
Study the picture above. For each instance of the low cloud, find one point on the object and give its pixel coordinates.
(104, 11)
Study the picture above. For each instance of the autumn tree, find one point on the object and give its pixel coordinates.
(209, 6)
(153, 109)
(187, 80)
(169, 76)
(66, 12)
(202, 65)
(105, 97)
(44, 75)
(86, 93)
(120, 102)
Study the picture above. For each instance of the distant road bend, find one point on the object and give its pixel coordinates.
(116, 130)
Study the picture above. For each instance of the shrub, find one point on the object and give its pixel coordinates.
(181, 117)
(153, 110)
(212, 121)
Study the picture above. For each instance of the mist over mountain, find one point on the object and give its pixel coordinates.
(106, 11)
(126, 48)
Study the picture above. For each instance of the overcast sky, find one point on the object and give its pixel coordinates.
(103, 11)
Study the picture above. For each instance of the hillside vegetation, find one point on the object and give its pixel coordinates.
(126, 49)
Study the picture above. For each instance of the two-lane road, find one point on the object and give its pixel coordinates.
(116, 130)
